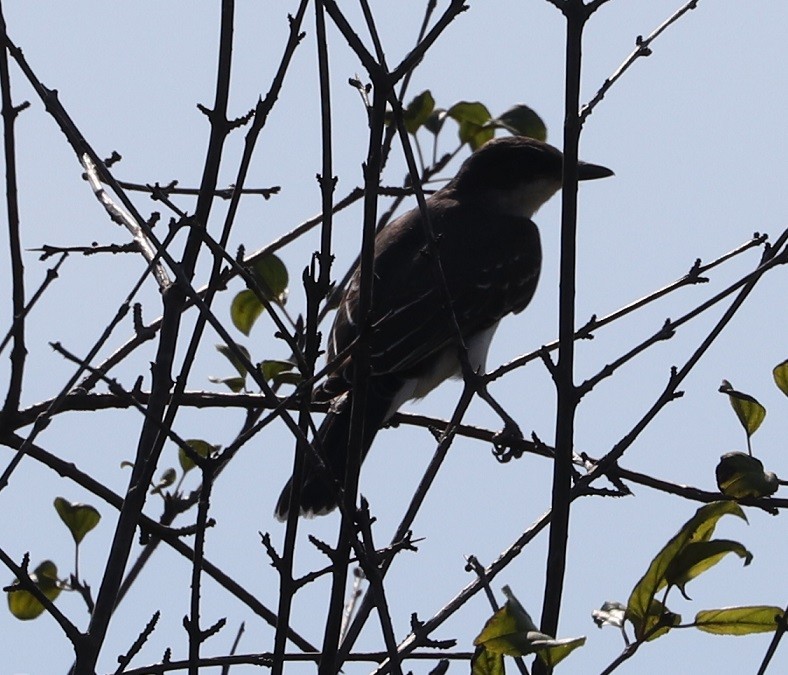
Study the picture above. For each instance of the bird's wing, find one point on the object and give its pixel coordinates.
(491, 265)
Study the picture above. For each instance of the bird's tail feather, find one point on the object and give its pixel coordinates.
(319, 490)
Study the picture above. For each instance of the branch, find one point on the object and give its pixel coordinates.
(642, 48)
(119, 215)
(19, 351)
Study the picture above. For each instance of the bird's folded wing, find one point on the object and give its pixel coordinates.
(491, 268)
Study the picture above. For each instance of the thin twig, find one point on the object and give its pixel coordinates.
(642, 48)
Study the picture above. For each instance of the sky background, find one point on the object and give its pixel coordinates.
(696, 136)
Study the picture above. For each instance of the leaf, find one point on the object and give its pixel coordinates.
(641, 610)
(657, 622)
(780, 374)
(521, 120)
(739, 475)
(271, 274)
(472, 118)
(23, 604)
(503, 633)
(512, 632)
(418, 111)
(227, 353)
(245, 309)
(484, 662)
(79, 518)
(166, 479)
(739, 620)
(434, 123)
(552, 651)
(200, 447)
(610, 614)
(280, 372)
(747, 409)
(234, 383)
(699, 556)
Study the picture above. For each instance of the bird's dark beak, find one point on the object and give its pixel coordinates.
(586, 171)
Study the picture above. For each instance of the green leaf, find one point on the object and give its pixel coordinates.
(699, 556)
(484, 662)
(227, 353)
(272, 278)
(739, 620)
(280, 372)
(780, 373)
(434, 123)
(521, 120)
(418, 111)
(245, 309)
(739, 475)
(512, 632)
(657, 622)
(79, 518)
(271, 274)
(166, 479)
(23, 604)
(505, 630)
(747, 409)
(552, 651)
(641, 610)
(235, 383)
(200, 447)
(473, 118)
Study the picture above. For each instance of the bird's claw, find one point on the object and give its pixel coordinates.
(502, 442)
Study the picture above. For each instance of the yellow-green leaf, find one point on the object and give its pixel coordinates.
(506, 631)
(739, 475)
(473, 118)
(484, 662)
(79, 518)
(521, 120)
(201, 449)
(553, 651)
(656, 623)
(641, 610)
(780, 373)
(434, 123)
(418, 111)
(23, 604)
(739, 620)
(227, 353)
(747, 409)
(512, 632)
(271, 274)
(245, 309)
(699, 556)
(280, 372)
(234, 383)
(166, 479)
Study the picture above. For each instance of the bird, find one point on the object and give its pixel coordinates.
(491, 257)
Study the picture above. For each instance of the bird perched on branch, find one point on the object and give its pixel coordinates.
(490, 258)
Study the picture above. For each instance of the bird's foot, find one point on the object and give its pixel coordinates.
(502, 442)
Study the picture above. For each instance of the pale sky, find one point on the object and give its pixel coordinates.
(696, 136)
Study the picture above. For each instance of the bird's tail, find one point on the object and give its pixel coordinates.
(319, 490)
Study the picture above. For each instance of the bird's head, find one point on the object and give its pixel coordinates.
(515, 175)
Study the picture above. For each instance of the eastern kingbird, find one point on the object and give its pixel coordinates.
(491, 257)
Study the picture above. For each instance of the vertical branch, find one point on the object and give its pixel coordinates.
(151, 441)
(316, 285)
(576, 15)
(19, 351)
(195, 632)
(328, 665)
